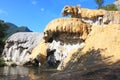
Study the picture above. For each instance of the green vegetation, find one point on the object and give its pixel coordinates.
(110, 7)
(3, 28)
(14, 29)
(99, 3)
(7, 29)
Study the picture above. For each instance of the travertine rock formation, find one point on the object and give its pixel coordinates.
(19, 47)
(67, 28)
(39, 51)
(117, 3)
(111, 17)
(77, 12)
(99, 57)
(76, 29)
(92, 16)
(65, 35)
(103, 41)
(106, 38)
(71, 10)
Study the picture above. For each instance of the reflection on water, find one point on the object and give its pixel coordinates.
(24, 73)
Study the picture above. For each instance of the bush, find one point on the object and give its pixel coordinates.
(3, 28)
(110, 7)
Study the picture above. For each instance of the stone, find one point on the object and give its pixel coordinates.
(19, 46)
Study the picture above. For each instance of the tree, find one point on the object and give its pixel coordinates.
(99, 3)
(110, 7)
(3, 28)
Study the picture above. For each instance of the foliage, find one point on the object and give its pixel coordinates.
(3, 28)
(99, 3)
(110, 7)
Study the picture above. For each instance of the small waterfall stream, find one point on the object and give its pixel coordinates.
(62, 50)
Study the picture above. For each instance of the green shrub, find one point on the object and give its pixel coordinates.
(110, 7)
(3, 28)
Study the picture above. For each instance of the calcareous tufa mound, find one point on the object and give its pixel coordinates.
(88, 41)
(67, 29)
(19, 47)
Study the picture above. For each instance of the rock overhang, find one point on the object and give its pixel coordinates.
(67, 29)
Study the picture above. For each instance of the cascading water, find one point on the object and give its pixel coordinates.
(62, 49)
(19, 46)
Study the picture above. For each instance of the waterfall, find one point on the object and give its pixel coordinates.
(18, 47)
(63, 49)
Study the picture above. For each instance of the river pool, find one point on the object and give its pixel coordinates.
(24, 73)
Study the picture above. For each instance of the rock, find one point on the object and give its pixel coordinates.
(67, 27)
(93, 17)
(99, 57)
(106, 38)
(64, 35)
(111, 17)
(117, 3)
(19, 46)
(40, 49)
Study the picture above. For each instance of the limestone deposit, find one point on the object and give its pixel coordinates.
(67, 27)
(92, 16)
(87, 38)
(107, 39)
(97, 58)
(96, 29)
(19, 47)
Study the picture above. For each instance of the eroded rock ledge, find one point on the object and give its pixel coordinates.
(93, 17)
(65, 35)
(69, 30)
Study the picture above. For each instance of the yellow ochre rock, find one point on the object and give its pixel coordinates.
(112, 17)
(77, 12)
(40, 49)
(106, 38)
(69, 25)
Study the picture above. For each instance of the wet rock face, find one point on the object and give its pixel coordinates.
(58, 51)
(19, 46)
(64, 35)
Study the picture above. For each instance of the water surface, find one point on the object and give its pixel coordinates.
(24, 73)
